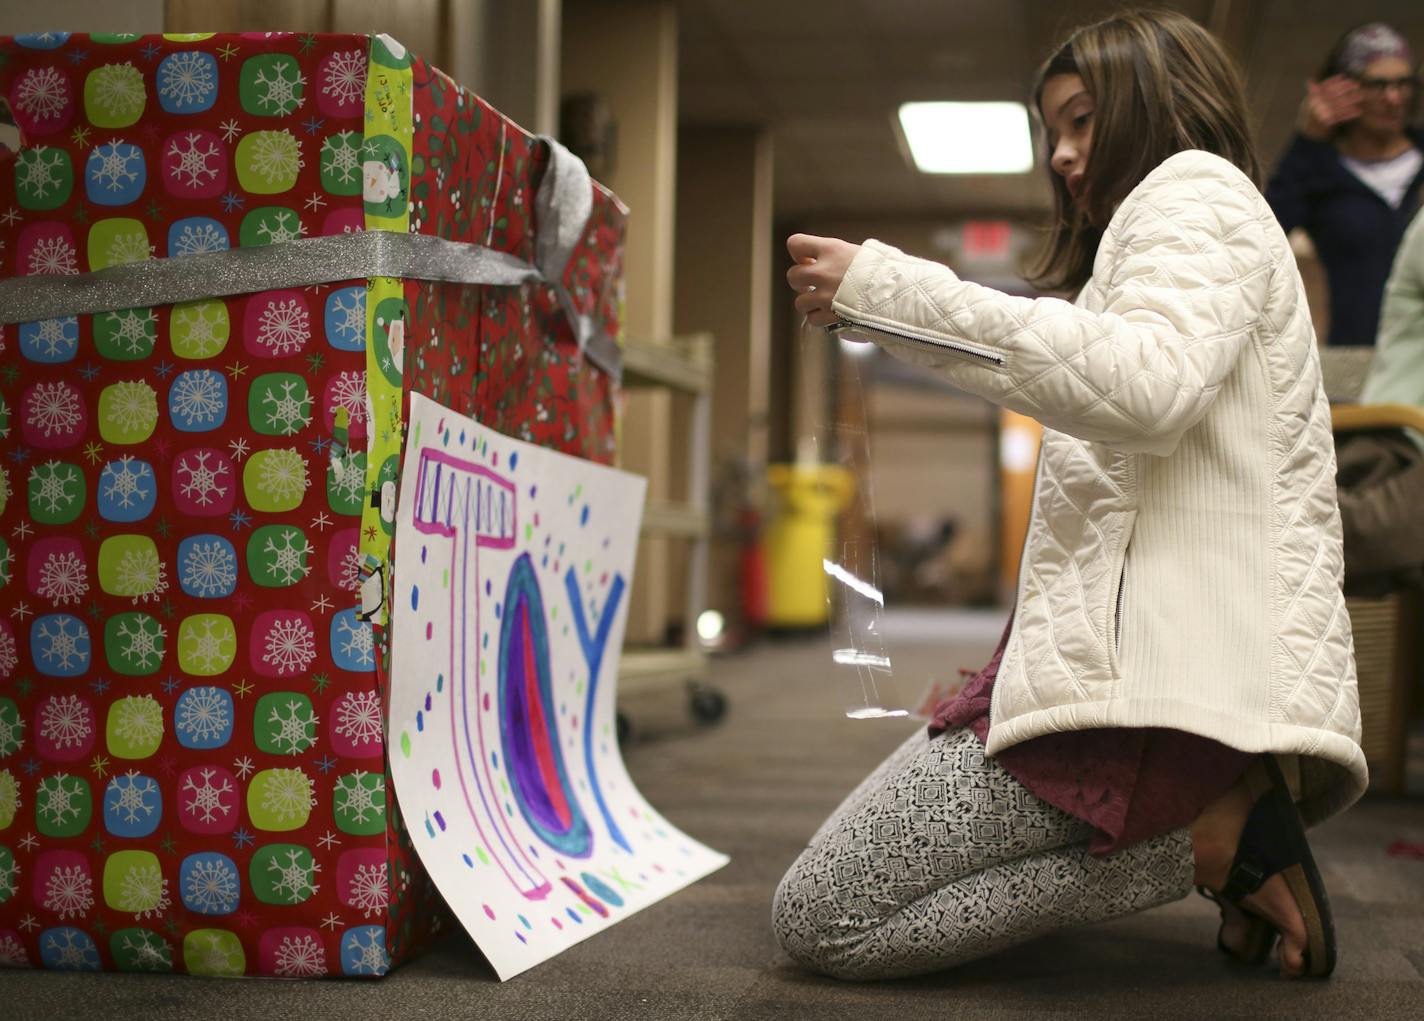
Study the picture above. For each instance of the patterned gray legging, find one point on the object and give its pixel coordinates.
(940, 856)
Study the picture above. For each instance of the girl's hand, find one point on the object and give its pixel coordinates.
(821, 265)
(1327, 105)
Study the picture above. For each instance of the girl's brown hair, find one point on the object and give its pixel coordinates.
(1160, 84)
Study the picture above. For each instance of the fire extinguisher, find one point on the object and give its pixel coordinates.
(752, 574)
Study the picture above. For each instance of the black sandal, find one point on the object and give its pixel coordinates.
(1260, 936)
(1273, 843)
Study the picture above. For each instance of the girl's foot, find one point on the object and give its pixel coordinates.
(1246, 939)
(1216, 836)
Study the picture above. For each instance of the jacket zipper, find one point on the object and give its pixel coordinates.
(941, 345)
(1117, 621)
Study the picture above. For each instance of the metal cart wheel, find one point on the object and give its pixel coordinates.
(708, 704)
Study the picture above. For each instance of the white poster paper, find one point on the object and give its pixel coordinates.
(510, 597)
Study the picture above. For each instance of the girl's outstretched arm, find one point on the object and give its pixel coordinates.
(1184, 271)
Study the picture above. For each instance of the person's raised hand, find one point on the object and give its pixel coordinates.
(1327, 105)
(821, 265)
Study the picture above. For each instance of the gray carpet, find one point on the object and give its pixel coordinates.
(756, 787)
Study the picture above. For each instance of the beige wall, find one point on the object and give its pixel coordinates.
(932, 456)
(81, 16)
(507, 51)
(419, 24)
(626, 52)
(723, 287)
(724, 273)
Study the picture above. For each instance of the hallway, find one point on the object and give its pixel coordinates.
(756, 787)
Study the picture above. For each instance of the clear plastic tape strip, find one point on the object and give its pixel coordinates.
(851, 562)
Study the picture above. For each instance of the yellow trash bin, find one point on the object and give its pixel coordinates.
(808, 498)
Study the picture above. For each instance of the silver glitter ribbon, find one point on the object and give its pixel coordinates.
(562, 206)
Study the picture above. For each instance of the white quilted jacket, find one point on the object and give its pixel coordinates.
(1182, 567)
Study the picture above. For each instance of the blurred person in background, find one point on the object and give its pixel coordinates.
(1352, 174)
(1381, 473)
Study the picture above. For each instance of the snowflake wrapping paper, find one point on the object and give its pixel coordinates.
(197, 495)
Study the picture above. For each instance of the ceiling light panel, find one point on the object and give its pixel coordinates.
(968, 138)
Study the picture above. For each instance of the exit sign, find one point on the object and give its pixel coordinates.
(987, 240)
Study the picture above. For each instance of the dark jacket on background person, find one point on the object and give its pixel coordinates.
(1354, 230)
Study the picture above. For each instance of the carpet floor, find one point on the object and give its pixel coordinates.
(756, 786)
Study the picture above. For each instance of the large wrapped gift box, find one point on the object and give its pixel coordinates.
(225, 263)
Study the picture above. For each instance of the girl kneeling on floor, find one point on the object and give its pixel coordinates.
(1174, 700)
